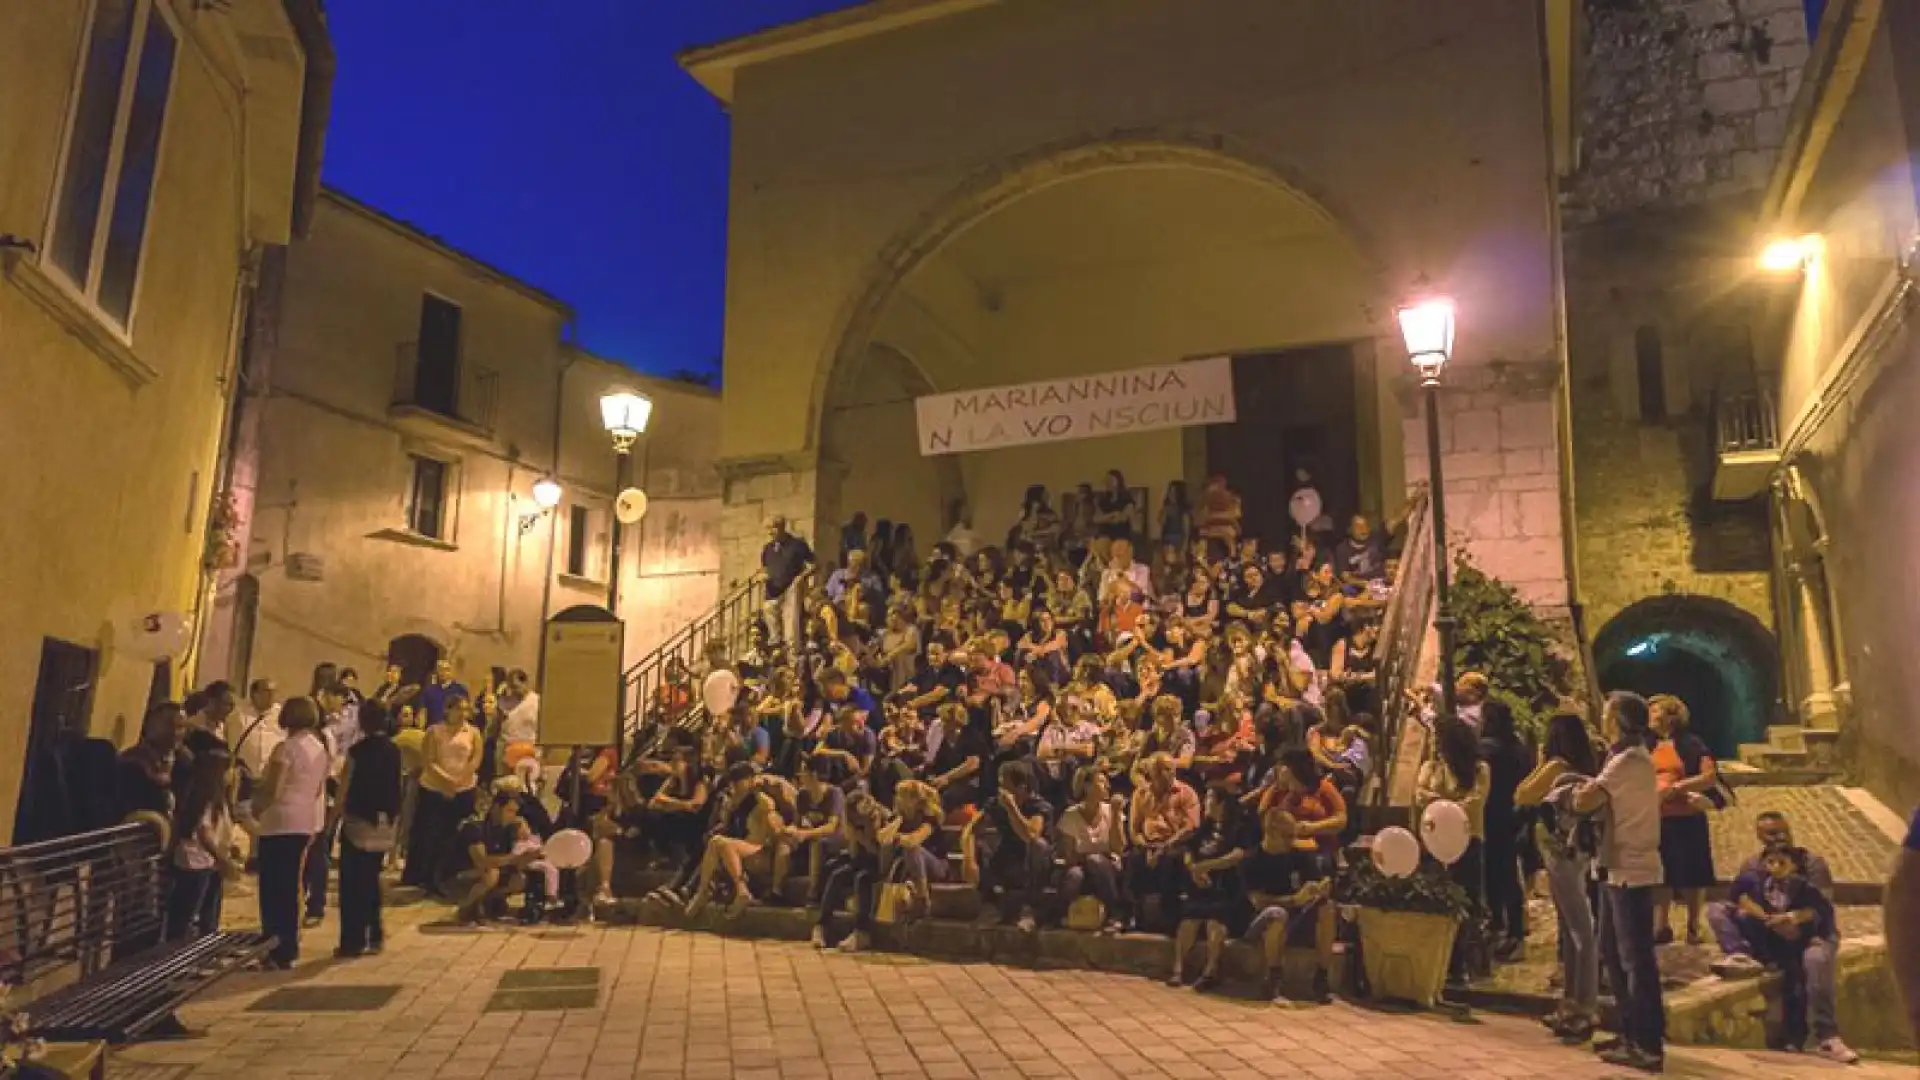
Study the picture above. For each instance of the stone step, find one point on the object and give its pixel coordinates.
(1788, 738)
(1148, 955)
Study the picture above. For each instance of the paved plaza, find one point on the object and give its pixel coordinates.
(702, 1007)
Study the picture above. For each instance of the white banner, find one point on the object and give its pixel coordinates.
(1083, 407)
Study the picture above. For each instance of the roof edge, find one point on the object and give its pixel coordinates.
(715, 66)
(415, 233)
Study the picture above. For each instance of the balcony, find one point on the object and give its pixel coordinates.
(1746, 444)
(443, 401)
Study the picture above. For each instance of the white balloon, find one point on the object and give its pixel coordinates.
(1304, 507)
(720, 691)
(1395, 852)
(568, 849)
(1447, 830)
(630, 506)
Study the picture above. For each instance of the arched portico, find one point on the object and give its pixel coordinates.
(1719, 659)
(1080, 259)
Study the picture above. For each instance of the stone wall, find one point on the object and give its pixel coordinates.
(1684, 101)
(1498, 439)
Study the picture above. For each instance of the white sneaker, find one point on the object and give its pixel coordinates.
(1834, 1050)
(1738, 966)
(819, 938)
(854, 942)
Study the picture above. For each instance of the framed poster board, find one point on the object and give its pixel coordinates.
(580, 678)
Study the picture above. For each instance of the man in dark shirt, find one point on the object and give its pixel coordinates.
(439, 689)
(1360, 556)
(1021, 863)
(938, 681)
(786, 560)
(489, 840)
(1257, 599)
(143, 777)
(1290, 888)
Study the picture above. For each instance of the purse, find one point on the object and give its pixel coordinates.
(377, 837)
(893, 902)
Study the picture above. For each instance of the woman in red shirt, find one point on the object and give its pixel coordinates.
(1301, 789)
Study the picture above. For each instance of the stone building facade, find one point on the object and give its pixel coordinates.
(415, 397)
(1004, 192)
(152, 154)
(1684, 110)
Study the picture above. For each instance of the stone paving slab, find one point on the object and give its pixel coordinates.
(692, 1006)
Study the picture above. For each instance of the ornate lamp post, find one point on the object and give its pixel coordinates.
(1427, 328)
(624, 414)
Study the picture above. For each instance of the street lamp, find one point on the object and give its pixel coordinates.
(625, 415)
(546, 496)
(1427, 328)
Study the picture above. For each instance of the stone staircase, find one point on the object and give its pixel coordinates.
(1792, 754)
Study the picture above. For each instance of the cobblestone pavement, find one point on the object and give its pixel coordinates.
(701, 1007)
(1823, 821)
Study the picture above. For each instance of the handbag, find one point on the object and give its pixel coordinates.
(893, 902)
(375, 837)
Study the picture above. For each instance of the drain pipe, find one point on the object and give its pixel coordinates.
(568, 338)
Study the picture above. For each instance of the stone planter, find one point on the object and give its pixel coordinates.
(1406, 953)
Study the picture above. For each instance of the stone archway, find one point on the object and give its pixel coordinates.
(1718, 658)
(941, 257)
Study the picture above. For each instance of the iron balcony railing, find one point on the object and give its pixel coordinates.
(1403, 631)
(1745, 421)
(465, 393)
(662, 692)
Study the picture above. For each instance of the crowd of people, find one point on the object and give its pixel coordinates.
(1087, 726)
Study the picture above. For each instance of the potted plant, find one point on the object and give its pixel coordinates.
(1407, 927)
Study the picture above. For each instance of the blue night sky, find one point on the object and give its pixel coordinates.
(559, 141)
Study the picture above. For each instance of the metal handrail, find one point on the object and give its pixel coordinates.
(653, 707)
(1403, 631)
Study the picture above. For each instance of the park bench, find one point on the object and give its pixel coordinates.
(81, 938)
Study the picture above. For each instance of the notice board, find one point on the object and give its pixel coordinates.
(580, 679)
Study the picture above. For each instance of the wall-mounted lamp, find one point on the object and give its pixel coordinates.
(1790, 255)
(546, 496)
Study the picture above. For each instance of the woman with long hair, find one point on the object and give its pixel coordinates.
(1457, 774)
(287, 807)
(449, 778)
(1113, 508)
(1569, 752)
(1045, 646)
(1176, 516)
(904, 558)
(1509, 759)
(201, 857)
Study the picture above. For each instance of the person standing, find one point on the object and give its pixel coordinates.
(202, 838)
(1688, 790)
(1626, 796)
(286, 805)
(449, 774)
(439, 688)
(1509, 760)
(786, 560)
(252, 733)
(1569, 759)
(368, 818)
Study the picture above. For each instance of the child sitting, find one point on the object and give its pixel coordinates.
(1778, 912)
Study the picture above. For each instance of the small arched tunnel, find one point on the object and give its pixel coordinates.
(1719, 659)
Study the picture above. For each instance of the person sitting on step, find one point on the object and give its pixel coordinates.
(1016, 872)
(1747, 942)
(1291, 889)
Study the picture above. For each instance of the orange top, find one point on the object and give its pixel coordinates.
(1670, 770)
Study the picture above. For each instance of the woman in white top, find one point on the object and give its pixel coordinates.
(449, 774)
(1092, 837)
(287, 804)
(202, 849)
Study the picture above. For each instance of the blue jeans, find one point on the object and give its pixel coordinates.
(1626, 944)
(1579, 939)
(1806, 966)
